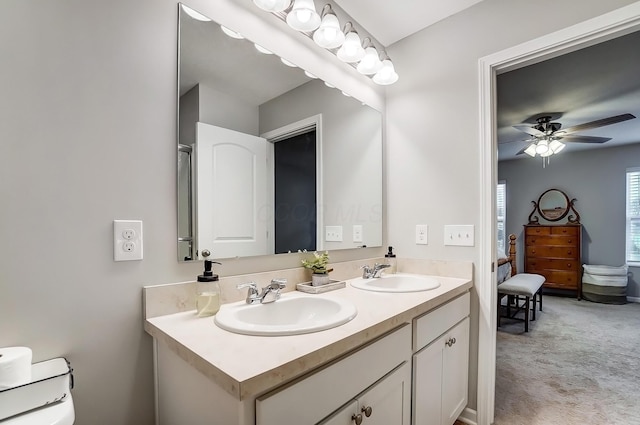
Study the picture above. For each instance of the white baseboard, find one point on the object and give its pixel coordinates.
(469, 416)
(633, 299)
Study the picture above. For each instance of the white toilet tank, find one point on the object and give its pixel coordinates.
(44, 400)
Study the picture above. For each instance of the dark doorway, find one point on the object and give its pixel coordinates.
(295, 193)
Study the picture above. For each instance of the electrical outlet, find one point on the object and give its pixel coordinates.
(459, 235)
(422, 233)
(357, 232)
(127, 240)
(333, 233)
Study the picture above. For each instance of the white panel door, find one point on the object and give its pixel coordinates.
(231, 187)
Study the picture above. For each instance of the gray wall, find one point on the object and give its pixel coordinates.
(596, 179)
(433, 165)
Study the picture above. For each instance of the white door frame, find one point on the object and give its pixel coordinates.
(602, 28)
(289, 130)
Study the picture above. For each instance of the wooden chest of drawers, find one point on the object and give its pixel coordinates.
(554, 251)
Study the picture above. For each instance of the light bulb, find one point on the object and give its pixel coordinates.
(262, 49)
(303, 16)
(195, 15)
(370, 63)
(542, 147)
(272, 5)
(329, 35)
(531, 150)
(231, 33)
(556, 146)
(310, 75)
(286, 62)
(387, 74)
(351, 50)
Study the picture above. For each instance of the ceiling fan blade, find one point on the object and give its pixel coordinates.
(584, 139)
(521, 151)
(598, 123)
(529, 130)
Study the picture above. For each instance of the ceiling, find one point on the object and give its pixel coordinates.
(579, 87)
(391, 21)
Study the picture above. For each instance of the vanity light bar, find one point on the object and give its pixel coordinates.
(324, 29)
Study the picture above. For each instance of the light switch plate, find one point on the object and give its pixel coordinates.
(127, 240)
(333, 233)
(459, 234)
(357, 233)
(422, 234)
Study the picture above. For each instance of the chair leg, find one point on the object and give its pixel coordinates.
(526, 314)
(540, 298)
(533, 306)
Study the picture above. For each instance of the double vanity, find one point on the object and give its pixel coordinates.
(390, 350)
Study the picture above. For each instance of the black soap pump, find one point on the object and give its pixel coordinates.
(391, 261)
(207, 289)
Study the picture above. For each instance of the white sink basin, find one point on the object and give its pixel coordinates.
(400, 282)
(292, 314)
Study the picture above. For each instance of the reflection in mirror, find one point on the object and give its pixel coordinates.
(553, 205)
(270, 160)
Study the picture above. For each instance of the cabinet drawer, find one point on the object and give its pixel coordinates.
(558, 279)
(434, 323)
(322, 392)
(535, 230)
(536, 264)
(566, 230)
(552, 252)
(568, 240)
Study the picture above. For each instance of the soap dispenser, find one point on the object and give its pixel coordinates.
(391, 261)
(207, 289)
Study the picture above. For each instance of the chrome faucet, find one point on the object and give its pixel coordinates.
(268, 294)
(372, 272)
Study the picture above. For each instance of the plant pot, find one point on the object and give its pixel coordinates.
(319, 279)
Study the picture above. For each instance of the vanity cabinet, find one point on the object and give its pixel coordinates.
(385, 403)
(377, 376)
(441, 363)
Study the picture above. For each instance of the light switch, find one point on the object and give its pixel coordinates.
(459, 235)
(333, 233)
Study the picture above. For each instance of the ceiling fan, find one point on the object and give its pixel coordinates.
(549, 137)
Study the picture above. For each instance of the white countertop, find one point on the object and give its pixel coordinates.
(250, 365)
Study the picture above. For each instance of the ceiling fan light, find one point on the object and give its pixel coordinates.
(386, 75)
(329, 35)
(303, 17)
(542, 147)
(556, 146)
(272, 5)
(370, 63)
(531, 150)
(548, 153)
(351, 50)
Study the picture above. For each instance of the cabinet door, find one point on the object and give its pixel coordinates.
(455, 372)
(387, 402)
(427, 384)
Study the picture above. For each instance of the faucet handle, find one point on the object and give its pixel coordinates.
(278, 283)
(253, 288)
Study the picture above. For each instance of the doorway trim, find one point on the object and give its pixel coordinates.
(290, 130)
(605, 27)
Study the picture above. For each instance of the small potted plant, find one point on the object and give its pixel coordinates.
(318, 266)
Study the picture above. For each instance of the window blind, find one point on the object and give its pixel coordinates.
(633, 215)
(501, 213)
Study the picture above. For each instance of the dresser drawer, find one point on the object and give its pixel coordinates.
(547, 251)
(561, 280)
(535, 230)
(533, 265)
(570, 240)
(566, 230)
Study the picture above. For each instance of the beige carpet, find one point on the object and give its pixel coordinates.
(578, 364)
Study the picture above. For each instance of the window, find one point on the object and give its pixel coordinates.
(633, 216)
(501, 212)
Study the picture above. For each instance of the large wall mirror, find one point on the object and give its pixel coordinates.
(271, 159)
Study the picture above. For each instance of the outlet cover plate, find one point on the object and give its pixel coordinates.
(422, 234)
(127, 240)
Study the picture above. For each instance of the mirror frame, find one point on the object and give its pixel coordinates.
(558, 212)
